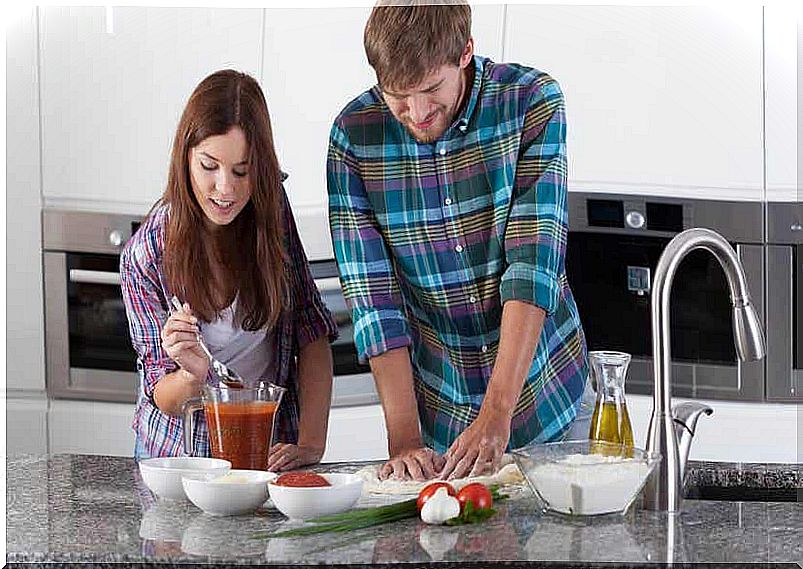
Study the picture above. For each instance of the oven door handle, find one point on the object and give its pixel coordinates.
(328, 284)
(94, 277)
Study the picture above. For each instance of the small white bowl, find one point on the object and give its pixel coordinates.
(163, 475)
(236, 492)
(307, 503)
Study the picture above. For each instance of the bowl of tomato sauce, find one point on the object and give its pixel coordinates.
(303, 495)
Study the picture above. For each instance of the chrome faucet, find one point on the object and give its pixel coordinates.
(664, 489)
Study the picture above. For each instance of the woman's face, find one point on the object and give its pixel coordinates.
(219, 175)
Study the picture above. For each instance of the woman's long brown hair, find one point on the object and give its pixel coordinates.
(254, 241)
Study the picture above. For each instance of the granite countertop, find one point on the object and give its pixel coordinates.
(79, 508)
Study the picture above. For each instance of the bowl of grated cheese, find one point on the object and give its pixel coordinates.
(235, 493)
(585, 477)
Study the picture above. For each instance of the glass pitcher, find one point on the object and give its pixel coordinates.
(239, 421)
(610, 421)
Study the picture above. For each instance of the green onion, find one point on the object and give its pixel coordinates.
(368, 517)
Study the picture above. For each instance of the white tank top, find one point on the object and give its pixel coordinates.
(247, 353)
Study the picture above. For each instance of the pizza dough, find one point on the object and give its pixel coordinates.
(508, 475)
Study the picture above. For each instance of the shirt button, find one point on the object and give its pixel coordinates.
(442, 152)
(484, 348)
(448, 201)
(472, 299)
(459, 248)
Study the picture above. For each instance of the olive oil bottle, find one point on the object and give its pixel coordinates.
(610, 421)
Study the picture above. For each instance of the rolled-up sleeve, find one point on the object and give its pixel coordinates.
(144, 306)
(311, 317)
(535, 236)
(367, 275)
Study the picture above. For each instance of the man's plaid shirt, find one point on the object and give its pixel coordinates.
(431, 239)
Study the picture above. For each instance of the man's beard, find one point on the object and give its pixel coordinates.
(433, 133)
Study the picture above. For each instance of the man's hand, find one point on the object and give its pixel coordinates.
(285, 456)
(417, 463)
(478, 449)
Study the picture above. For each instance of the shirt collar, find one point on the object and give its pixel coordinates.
(476, 85)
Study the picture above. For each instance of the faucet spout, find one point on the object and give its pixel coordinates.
(664, 489)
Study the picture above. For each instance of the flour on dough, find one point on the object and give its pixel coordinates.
(508, 475)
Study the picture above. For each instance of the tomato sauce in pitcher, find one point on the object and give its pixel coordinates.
(241, 432)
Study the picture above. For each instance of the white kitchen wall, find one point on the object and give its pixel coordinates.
(660, 100)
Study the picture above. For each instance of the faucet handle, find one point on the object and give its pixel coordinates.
(686, 414)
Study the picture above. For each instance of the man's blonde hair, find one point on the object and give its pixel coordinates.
(405, 41)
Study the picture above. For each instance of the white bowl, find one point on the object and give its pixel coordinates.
(307, 503)
(163, 475)
(236, 492)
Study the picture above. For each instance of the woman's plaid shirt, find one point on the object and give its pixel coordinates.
(147, 298)
(432, 239)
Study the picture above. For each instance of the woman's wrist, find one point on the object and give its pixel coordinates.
(174, 389)
(312, 434)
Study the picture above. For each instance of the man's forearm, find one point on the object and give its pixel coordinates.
(393, 374)
(521, 328)
(315, 392)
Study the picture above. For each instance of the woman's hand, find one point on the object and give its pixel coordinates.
(179, 340)
(285, 456)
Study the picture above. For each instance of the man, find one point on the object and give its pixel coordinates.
(447, 206)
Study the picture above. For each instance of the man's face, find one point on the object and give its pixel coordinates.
(426, 110)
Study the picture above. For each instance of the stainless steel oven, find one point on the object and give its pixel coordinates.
(785, 301)
(613, 247)
(87, 346)
(354, 384)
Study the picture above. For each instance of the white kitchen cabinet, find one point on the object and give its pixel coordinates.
(356, 434)
(783, 40)
(660, 100)
(113, 84)
(314, 63)
(90, 427)
(736, 432)
(26, 422)
(24, 298)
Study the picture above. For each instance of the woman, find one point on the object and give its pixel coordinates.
(223, 240)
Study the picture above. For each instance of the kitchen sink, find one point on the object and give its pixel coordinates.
(744, 494)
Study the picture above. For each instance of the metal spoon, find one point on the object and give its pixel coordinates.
(229, 377)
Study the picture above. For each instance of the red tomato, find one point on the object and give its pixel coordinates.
(302, 479)
(430, 489)
(476, 493)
